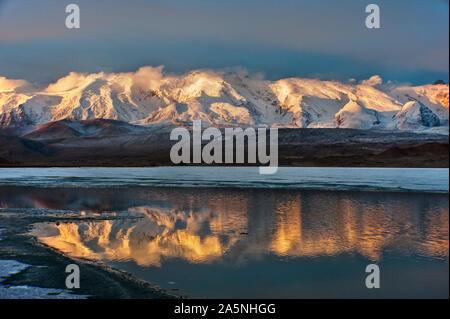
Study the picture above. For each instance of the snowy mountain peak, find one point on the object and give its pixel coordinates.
(149, 95)
(414, 114)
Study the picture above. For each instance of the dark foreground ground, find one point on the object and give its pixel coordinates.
(47, 266)
(113, 143)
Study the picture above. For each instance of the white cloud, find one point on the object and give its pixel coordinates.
(373, 81)
(9, 85)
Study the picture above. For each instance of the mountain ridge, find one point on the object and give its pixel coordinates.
(150, 96)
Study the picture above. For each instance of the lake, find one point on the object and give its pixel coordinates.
(232, 233)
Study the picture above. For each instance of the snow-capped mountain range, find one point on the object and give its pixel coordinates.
(222, 98)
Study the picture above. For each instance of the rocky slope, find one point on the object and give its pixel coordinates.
(102, 142)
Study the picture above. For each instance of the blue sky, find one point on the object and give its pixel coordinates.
(324, 39)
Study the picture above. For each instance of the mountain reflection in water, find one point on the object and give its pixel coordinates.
(234, 227)
(204, 226)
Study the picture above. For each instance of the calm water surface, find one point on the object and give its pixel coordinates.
(254, 241)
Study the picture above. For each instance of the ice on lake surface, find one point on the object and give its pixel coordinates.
(385, 179)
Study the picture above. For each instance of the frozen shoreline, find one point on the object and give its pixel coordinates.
(328, 178)
(37, 271)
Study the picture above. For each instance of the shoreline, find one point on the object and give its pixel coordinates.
(43, 275)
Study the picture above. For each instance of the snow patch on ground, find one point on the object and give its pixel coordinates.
(28, 292)
(12, 267)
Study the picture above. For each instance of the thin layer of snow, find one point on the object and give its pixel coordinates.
(30, 292)
(11, 267)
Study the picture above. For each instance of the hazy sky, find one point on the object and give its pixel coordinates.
(326, 39)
